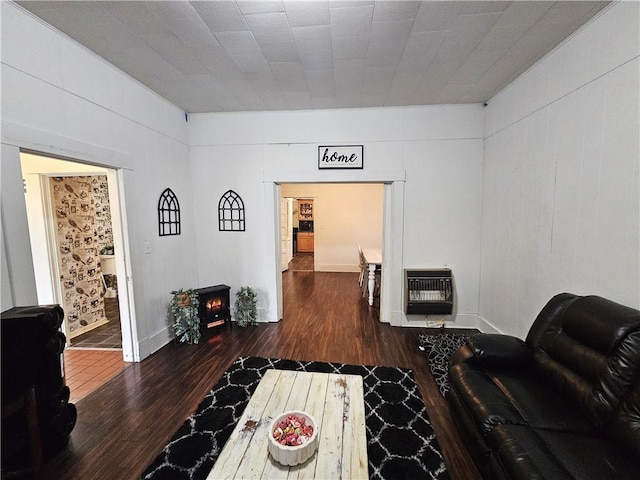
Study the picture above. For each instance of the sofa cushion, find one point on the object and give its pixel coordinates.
(504, 351)
(548, 317)
(482, 398)
(590, 354)
(624, 428)
(565, 406)
(495, 395)
(464, 422)
(532, 453)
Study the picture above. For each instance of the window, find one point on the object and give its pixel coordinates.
(168, 214)
(231, 212)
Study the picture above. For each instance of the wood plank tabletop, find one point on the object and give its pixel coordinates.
(335, 401)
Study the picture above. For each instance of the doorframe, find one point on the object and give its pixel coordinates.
(50, 241)
(115, 179)
(393, 222)
(288, 240)
(128, 325)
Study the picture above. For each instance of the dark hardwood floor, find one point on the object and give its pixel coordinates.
(123, 425)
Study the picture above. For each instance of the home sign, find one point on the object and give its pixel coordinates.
(342, 156)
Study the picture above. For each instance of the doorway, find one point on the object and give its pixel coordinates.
(391, 310)
(299, 226)
(74, 217)
(337, 217)
(333, 218)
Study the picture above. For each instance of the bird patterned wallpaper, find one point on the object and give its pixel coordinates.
(76, 220)
(100, 190)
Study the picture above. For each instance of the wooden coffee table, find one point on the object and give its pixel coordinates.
(337, 403)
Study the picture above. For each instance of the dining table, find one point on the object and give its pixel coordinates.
(373, 258)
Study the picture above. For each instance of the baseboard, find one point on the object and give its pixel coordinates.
(268, 315)
(487, 327)
(154, 342)
(159, 339)
(460, 320)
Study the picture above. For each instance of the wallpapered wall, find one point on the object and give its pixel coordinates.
(103, 211)
(82, 218)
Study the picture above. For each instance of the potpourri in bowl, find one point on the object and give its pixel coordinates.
(293, 437)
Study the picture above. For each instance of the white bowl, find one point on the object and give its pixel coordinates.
(293, 455)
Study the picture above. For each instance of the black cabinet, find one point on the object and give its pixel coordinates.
(32, 347)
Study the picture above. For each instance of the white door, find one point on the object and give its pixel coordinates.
(286, 231)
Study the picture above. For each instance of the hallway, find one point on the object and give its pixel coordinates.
(302, 262)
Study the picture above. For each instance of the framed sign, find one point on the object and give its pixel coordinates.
(340, 156)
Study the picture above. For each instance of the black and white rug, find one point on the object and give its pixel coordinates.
(401, 443)
(440, 348)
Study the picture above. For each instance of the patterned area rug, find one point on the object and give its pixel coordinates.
(440, 348)
(401, 443)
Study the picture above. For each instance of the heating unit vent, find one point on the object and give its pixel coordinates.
(429, 291)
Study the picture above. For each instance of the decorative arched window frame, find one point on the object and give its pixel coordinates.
(231, 212)
(168, 214)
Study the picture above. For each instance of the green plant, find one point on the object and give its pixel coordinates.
(245, 306)
(186, 323)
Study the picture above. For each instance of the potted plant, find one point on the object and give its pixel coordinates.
(186, 323)
(245, 307)
(107, 250)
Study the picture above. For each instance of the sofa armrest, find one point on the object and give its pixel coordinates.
(492, 350)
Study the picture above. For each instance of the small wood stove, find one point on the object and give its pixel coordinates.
(214, 309)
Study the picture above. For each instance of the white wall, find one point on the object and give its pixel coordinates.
(556, 198)
(18, 280)
(561, 176)
(61, 99)
(344, 215)
(439, 149)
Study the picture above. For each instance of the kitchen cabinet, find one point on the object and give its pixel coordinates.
(305, 242)
(305, 209)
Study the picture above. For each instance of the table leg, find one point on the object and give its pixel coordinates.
(372, 281)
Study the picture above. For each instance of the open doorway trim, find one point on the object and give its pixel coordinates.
(130, 349)
(393, 221)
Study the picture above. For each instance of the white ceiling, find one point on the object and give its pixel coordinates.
(221, 56)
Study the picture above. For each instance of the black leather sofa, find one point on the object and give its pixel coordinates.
(564, 404)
